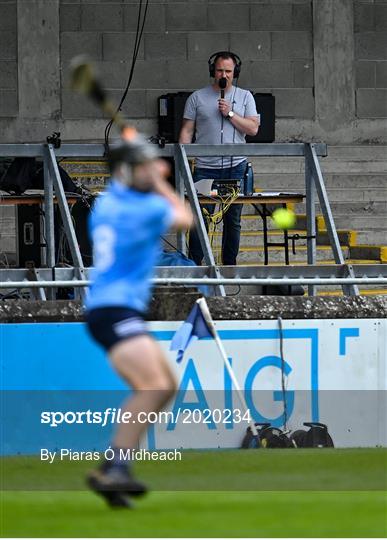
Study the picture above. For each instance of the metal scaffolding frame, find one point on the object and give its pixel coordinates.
(347, 276)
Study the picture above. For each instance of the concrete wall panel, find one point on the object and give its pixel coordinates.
(276, 74)
(134, 105)
(333, 36)
(381, 75)
(155, 18)
(80, 108)
(190, 16)
(70, 17)
(381, 17)
(252, 45)
(302, 16)
(119, 46)
(191, 74)
(371, 46)
(201, 45)
(303, 76)
(150, 74)
(39, 59)
(8, 45)
(8, 103)
(232, 17)
(74, 43)
(364, 17)
(365, 74)
(8, 75)
(106, 17)
(165, 45)
(271, 17)
(372, 103)
(291, 45)
(8, 19)
(294, 103)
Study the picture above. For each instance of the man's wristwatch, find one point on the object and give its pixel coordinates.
(230, 114)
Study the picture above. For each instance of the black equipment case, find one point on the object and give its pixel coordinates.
(170, 115)
(265, 104)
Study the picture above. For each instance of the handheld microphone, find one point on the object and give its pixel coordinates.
(222, 85)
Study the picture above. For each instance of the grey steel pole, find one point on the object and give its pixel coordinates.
(310, 216)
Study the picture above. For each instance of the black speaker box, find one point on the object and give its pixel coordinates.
(265, 104)
(79, 214)
(171, 109)
(28, 235)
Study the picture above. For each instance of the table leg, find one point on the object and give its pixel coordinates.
(265, 240)
(286, 241)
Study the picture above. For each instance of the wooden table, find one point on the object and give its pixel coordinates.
(33, 198)
(260, 202)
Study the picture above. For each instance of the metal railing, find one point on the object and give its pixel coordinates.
(314, 184)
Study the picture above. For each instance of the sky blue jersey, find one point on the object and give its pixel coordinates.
(125, 226)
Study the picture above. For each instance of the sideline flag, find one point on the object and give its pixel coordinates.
(193, 328)
(199, 324)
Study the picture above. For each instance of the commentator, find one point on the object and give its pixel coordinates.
(218, 114)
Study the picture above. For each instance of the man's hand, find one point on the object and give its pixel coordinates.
(224, 107)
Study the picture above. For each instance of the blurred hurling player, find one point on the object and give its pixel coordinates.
(125, 225)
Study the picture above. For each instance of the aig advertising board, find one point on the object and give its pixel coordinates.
(59, 389)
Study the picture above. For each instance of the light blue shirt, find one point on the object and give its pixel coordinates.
(125, 227)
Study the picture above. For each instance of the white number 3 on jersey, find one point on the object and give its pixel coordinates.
(104, 239)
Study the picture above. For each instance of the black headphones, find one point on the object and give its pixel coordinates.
(214, 57)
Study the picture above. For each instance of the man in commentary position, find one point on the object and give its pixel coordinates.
(217, 114)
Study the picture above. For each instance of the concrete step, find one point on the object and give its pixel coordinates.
(372, 237)
(297, 166)
(366, 195)
(363, 291)
(369, 222)
(300, 263)
(368, 252)
(295, 182)
(252, 238)
(351, 208)
(81, 168)
(276, 254)
(359, 152)
(344, 222)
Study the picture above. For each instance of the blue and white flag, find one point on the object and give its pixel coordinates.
(193, 328)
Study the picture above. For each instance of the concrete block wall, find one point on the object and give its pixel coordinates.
(324, 60)
(371, 59)
(8, 59)
(274, 41)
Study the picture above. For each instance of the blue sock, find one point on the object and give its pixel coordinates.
(118, 461)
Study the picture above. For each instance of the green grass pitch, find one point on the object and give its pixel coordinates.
(254, 493)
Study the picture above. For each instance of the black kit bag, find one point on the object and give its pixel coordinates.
(67, 183)
(26, 173)
(269, 437)
(316, 437)
(19, 176)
